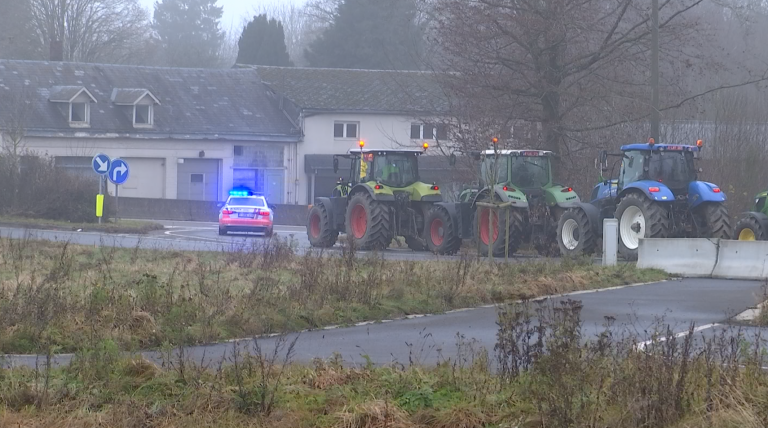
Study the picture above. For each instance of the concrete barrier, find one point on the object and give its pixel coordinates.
(679, 256)
(742, 260)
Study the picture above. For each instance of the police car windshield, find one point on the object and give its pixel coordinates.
(248, 202)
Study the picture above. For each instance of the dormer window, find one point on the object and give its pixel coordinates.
(139, 105)
(75, 102)
(79, 113)
(142, 115)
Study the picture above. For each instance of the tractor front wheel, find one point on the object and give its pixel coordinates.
(319, 229)
(440, 232)
(574, 233)
(717, 222)
(640, 218)
(368, 223)
(749, 229)
(495, 236)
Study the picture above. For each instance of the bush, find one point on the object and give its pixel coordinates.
(32, 186)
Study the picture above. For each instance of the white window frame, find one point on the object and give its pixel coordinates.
(87, 120)
(150, 116)
(421, 130)
(346, 124)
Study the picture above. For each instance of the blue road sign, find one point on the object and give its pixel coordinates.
(101, 163)
(118, 171)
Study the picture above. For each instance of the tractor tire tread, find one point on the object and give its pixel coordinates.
(379, 235)
(515, 234)
(328, 236)
(587, 237)
(657, 221)
(451, 240)
(750, 223)
(718, 222)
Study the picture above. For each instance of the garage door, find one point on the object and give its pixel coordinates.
(146, 178)
(198, 179)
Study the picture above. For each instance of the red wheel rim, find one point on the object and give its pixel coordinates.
(436, 232)
(484, 226)
(359, 221)
(314, 225)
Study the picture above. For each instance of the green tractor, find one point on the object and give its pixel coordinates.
(385, 199)
(754, 225)
(519, 179)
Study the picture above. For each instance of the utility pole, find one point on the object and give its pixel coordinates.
(655, 70)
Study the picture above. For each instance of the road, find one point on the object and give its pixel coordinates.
(708, 303)
(197, 236)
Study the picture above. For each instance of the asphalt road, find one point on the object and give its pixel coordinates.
(709, 304)
(195, 236)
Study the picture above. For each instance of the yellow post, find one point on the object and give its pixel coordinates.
(99, 205)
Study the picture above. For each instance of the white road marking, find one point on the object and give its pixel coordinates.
(642, 345)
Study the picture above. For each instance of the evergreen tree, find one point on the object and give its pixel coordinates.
(370, 34)
(263, 43)
(189, 32)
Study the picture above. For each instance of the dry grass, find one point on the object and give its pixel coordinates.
(63, 297)
(598, 383)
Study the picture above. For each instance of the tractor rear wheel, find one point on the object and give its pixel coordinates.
(749, 229)
(717, 222)
(574, 233)
(640, 218)
(319, 229)
(440, 232)
(496, 238)
(368, 223)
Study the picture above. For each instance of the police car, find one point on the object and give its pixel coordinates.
(245, 211)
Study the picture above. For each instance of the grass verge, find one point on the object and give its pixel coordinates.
(549, 377)
(58, 296)
(123, 226)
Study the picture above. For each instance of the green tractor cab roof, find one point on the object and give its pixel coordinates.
(524, 152)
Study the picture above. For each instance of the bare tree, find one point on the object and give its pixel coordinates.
(17, 110)
(110, 31)
(568, 67)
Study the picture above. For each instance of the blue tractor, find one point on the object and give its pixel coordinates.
(657, 195)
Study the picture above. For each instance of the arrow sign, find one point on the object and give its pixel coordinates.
(101, 163)
(118, 171)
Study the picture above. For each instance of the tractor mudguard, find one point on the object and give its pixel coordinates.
(503, 197)
(662, 195)
(593, 214)
(460, 213)
(760, 218)
(364, 187)
(605, 190)
(701, 191)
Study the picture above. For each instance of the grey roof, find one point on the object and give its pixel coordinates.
(127, 96)
(65, 94)
(194, 103)
(373, 91)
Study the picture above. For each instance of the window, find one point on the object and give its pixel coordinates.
(631, 167)
(142, 115)
(425, 131)
(196, 178)
(345, 130)
(238, 150)
(79, 113)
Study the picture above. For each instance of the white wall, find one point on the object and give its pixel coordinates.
(160, 159)
(378, 131)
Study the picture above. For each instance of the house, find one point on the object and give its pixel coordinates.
(188, 134)
(336, 108)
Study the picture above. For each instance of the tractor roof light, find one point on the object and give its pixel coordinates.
(699, 143)
(495, 140)
(361, 143)
(425, 146)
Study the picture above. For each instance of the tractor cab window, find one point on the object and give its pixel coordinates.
(673, 168)
(529, 172)
(395, 169)
(494, 169)
(631, 168)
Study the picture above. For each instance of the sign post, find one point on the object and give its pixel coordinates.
(101, 165)
(118, 174)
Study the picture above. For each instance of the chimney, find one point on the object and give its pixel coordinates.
(56, 51)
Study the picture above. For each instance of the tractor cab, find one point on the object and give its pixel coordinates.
(391, 168)
(526, 169)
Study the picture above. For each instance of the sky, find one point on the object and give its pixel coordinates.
(234, 10)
